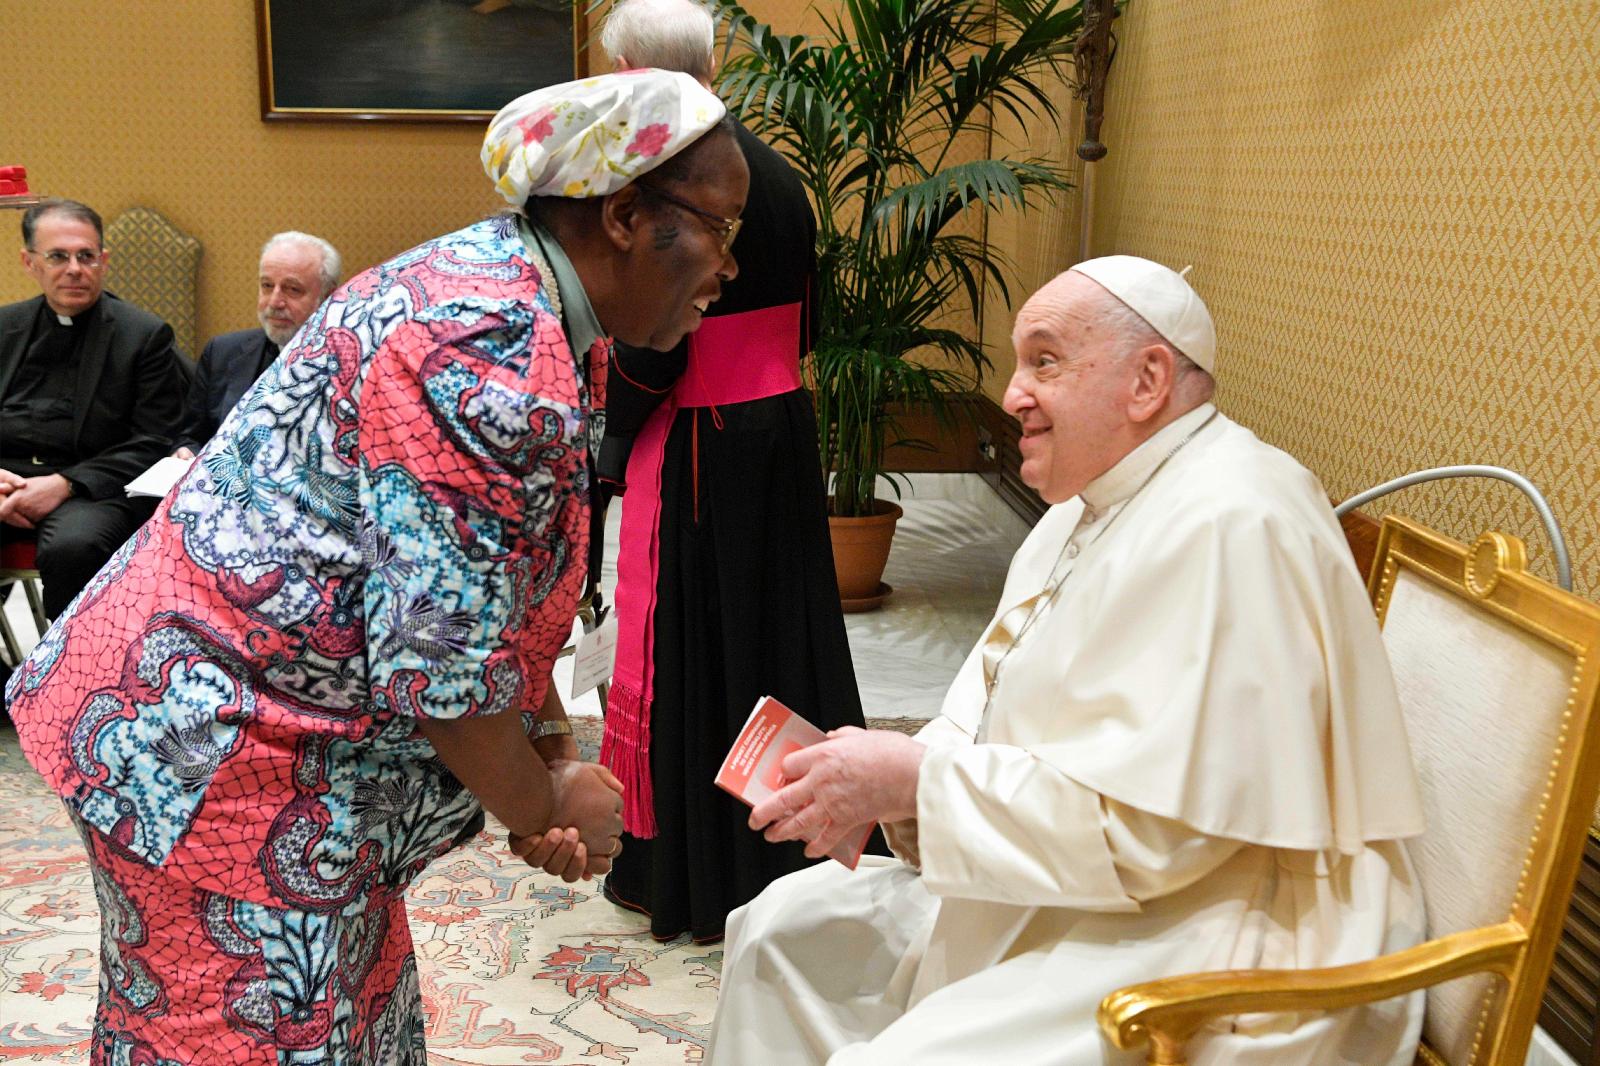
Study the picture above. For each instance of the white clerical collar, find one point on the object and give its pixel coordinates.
(1131, 471)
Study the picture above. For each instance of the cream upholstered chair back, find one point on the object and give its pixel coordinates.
(156, 266)
(1497, 675)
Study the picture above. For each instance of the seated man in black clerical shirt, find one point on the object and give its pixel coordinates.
(298, 271)
(90, 392)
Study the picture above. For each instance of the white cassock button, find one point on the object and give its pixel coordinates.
(1072, 551)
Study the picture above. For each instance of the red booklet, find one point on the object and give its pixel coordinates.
(753, 769)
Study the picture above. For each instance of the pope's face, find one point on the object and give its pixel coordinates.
(1070, 389)
(73, 284)
(290, 288)
(682, 263)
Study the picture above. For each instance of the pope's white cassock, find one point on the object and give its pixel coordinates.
(1193, 760)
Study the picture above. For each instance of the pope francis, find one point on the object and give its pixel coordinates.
(1177, 747)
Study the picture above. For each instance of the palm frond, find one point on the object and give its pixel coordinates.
(867, 111)
(931, 203)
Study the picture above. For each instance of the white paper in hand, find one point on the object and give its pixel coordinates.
(596, 657)
(159, 479)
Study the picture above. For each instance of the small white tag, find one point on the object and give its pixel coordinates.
(596, 657)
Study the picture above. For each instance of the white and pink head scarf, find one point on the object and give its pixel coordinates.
(591, 137)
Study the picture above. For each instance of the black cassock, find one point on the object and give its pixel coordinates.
(746, 603)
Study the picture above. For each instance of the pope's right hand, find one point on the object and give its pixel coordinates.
(589, 798)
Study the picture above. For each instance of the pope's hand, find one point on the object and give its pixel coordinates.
(589, 799)
(854, 778)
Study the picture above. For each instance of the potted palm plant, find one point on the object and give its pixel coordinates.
(883, 116)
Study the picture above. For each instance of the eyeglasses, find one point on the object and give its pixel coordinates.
(728, 227)
(57, 259)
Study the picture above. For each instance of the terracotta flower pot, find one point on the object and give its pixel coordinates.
(860, 551)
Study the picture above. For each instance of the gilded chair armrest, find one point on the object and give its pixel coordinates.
(1169, 1011)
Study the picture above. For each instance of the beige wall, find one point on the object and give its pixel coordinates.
(1395, 217)
(157, 105)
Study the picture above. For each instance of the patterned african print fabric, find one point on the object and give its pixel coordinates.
(392, 524)
(189, 973)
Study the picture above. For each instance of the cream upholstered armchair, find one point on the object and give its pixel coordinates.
(1499, 676)
(155, 265)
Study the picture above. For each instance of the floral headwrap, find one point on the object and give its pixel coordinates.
(591, 137)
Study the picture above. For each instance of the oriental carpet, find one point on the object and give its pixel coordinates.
(515, 966)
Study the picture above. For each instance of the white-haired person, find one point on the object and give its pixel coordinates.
(1177, 747)
(717, 445)
(331, 647)
(297, 271)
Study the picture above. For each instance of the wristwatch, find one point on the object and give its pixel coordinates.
(551, 727)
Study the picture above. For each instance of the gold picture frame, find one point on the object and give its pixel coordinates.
(412, 60)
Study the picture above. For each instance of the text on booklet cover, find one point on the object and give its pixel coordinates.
(753, 769)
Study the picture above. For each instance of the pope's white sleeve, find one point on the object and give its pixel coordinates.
(902, 835)
(996, 823)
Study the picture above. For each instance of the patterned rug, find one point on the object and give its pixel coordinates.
(515, 966)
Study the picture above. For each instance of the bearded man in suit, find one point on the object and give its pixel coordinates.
(297, 273)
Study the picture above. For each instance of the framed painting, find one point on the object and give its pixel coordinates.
(413, 60)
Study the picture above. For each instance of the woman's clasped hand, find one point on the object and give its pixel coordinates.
(585, 834)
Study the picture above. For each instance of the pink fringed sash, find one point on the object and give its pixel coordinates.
(732, 359)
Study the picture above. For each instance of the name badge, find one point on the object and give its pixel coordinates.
(595, 658)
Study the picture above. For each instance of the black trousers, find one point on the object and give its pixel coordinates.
(75, 540)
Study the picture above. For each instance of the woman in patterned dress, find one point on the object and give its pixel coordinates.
(330, 650)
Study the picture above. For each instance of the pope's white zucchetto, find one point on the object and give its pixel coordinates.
(1163, 299)
(591, 137)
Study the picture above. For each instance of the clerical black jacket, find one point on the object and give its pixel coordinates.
(127, 387)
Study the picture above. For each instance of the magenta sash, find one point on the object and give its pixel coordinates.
(732, 359)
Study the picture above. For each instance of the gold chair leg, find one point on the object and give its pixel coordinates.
(1167, 1051)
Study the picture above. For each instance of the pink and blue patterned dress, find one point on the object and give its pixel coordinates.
(391, 525)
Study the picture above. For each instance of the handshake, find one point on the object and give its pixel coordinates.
(585, 823)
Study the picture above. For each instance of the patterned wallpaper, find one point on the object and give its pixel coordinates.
(156, 105)
(1394, 215)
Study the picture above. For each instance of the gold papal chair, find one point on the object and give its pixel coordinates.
(1499, 676)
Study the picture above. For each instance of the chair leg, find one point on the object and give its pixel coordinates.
(9, 639)
(35, 594)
